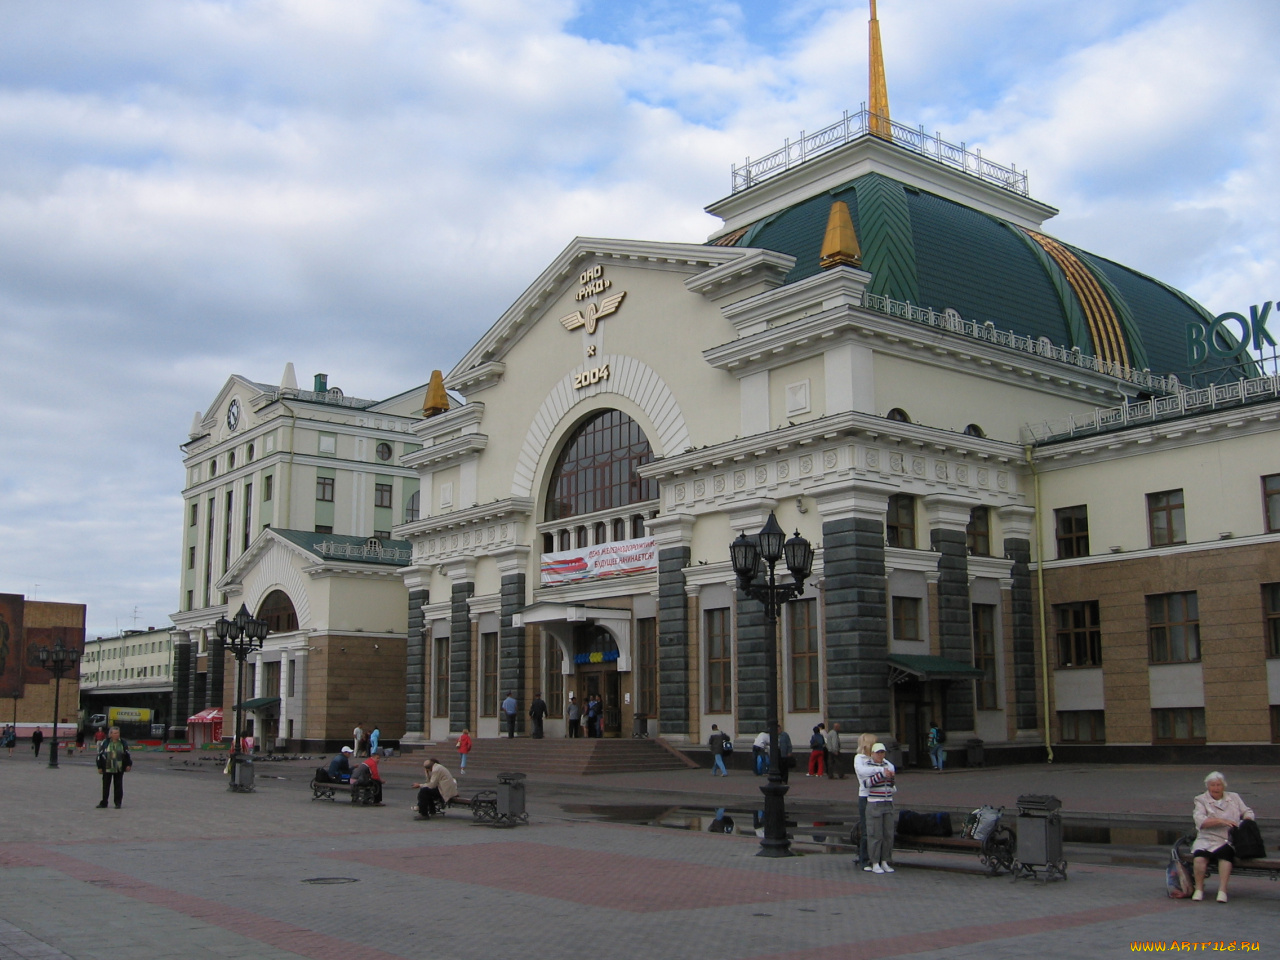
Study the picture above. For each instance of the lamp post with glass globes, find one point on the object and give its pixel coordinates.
(244, 633)
(754, 561)
(58, 661)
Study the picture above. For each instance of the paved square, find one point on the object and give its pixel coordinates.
(189, 871)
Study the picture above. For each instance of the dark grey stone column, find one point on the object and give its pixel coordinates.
(955, 626)
(215, 664)
(754, 669)
(511, 658)
(673, 642)
(416, 652)
(1024, 637)
(181, 683)
(460, 679)
(857, 636)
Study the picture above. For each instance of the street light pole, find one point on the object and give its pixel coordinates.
(244, 633)
(59, 661)
(754, 560)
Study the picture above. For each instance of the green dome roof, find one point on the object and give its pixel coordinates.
(934, 252)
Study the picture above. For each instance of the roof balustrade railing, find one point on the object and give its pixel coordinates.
(951, 321)
(361, 551)
(1180, 404)
(853, 126)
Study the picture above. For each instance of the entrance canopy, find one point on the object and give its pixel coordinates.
(212, 715)
(904, 666)
(257, 703)
(557, 619)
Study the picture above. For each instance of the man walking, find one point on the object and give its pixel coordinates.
(833, 751)
(37, 738)
(509, 708)
(717, 742)
(537, 712)
(357, 736)
(113, 763)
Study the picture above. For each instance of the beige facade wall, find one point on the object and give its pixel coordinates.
(1227, 581)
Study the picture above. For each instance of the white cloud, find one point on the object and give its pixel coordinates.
(191, 188)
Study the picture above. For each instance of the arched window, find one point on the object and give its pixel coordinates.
(412, 507)
(974, 430)
(277, 610)
(900, 415)
(596, 469)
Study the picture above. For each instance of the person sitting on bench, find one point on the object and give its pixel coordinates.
(437, 790)
(365, 774)
(340, 767)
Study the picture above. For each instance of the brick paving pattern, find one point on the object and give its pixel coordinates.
(189, 871)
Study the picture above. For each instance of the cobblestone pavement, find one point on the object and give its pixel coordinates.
(187, 870)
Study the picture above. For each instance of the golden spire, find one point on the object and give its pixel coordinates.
(436, 401)
(840, 245)
(879, 105)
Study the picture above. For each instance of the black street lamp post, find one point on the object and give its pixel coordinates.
(59, 661)
(754, 560)
(244, 634)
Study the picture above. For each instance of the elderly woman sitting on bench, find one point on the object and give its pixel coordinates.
(436, 791)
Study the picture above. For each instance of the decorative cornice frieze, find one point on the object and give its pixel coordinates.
(801, 460)
(487, 530)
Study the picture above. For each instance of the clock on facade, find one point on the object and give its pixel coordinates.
(233, 415)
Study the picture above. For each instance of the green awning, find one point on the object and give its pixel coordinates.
(257, 703)
(903, 666)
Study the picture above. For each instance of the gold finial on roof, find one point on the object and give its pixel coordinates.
(879, 103)
(840, 244)
(436, 401)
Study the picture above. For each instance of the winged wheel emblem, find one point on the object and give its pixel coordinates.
(594, 313)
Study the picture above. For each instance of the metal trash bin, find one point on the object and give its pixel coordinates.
(973, 753)
(511, 797)
(640, 725)
(1040, 837)
(241, 773)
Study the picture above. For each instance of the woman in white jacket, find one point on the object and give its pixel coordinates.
(876, 783)
(1216, 812)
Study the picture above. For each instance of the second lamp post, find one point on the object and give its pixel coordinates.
(244, 633)
(754, 560)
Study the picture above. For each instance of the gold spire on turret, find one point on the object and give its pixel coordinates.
(436, 401)
(879, 103)
(840, 245)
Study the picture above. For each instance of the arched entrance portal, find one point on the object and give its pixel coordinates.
(595, 662)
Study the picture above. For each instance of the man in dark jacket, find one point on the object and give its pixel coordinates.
(340, 766)
(537, 711)
(113, 763)
(37, 738)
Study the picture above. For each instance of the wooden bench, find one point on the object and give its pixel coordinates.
(324, 787)
(1269, 868)
(483, 806)
(996, 853)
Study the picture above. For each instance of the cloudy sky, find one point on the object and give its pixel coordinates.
(191, 188)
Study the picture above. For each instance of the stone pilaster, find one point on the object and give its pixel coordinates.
(460, 673)
(948, 518)
(673, 642)
(182, 685)
(1017, 523)
(754, 669)
(416, 653)
(216, 665)
(855, 619)
(511, 645)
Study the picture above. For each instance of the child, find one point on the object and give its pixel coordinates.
(464, 747)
